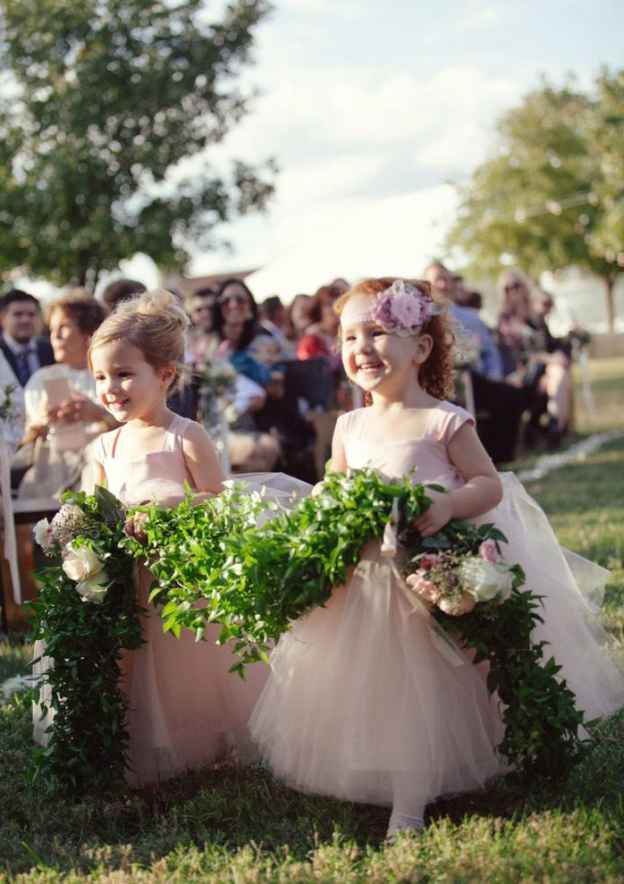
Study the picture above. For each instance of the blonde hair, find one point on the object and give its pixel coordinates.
(436, 374)
(154, 323)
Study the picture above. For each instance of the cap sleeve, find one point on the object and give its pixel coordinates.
(448, 420)
(347, 423)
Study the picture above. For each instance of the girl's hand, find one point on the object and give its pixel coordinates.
(135, 526)
(439, 513)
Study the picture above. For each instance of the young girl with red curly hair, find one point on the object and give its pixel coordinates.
(363, 703)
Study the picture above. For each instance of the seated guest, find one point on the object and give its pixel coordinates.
(450, 290)
(302, 312)
(24, 350)
(499, 406)
(554, 354)
(237, 326)
(203, 341)
(62, 412)
(274, 320)
(320, 336)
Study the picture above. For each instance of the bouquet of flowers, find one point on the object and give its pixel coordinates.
(85, 615)
(75, 534)
(456, 582)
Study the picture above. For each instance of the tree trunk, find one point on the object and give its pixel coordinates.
(610, 293)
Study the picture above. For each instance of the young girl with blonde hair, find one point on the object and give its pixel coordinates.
(362, 703)
(185, 708)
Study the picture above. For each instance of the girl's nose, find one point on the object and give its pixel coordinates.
(364, 343)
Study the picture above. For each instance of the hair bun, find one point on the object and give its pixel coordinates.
(163, 303)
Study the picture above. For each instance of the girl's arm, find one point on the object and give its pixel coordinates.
(338, 456)
(100, 475)
(202, 462)
(482, 491)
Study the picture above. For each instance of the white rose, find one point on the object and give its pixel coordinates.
(43, 534)
(93, 590)
(81, 564)
(485, 580)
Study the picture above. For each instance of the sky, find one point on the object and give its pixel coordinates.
(373, 111)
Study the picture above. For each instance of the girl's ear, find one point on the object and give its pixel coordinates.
(167, 374)
(424, 346)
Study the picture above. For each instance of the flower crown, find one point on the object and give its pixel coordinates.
(403, 309)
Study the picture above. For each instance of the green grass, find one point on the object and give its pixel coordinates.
(239, 826)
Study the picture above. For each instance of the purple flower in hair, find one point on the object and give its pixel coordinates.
(402, 309)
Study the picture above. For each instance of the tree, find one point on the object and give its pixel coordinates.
(105, 104)
(552, 197)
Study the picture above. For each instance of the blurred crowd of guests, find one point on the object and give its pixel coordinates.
(289, 386)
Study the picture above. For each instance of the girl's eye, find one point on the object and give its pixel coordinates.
(377, 331)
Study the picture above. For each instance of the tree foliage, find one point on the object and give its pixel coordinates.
(103, 102)
(552, 196)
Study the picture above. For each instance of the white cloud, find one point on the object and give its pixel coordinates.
(397, 236)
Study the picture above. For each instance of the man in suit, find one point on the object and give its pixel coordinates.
(23, 349)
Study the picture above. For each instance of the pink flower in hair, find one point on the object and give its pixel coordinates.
(402, 309)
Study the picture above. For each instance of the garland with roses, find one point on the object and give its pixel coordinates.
(253, 567)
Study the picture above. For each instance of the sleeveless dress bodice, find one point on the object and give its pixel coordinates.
(426, 458)
(153, 476)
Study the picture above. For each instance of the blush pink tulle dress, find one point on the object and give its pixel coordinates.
(186, 710)
(365, 703)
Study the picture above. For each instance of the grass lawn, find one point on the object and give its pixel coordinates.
(225, 825)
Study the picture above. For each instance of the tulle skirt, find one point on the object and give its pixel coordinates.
(186, 710)
(363, 702)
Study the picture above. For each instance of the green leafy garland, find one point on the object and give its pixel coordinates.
(223, 562)
(88, 740)
(538, 709)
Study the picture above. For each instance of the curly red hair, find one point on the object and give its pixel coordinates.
(436, 374)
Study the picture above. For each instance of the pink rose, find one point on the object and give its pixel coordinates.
(423, 587)
(488, 551)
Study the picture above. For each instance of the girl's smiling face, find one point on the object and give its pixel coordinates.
(378, 360)
(128, 386)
